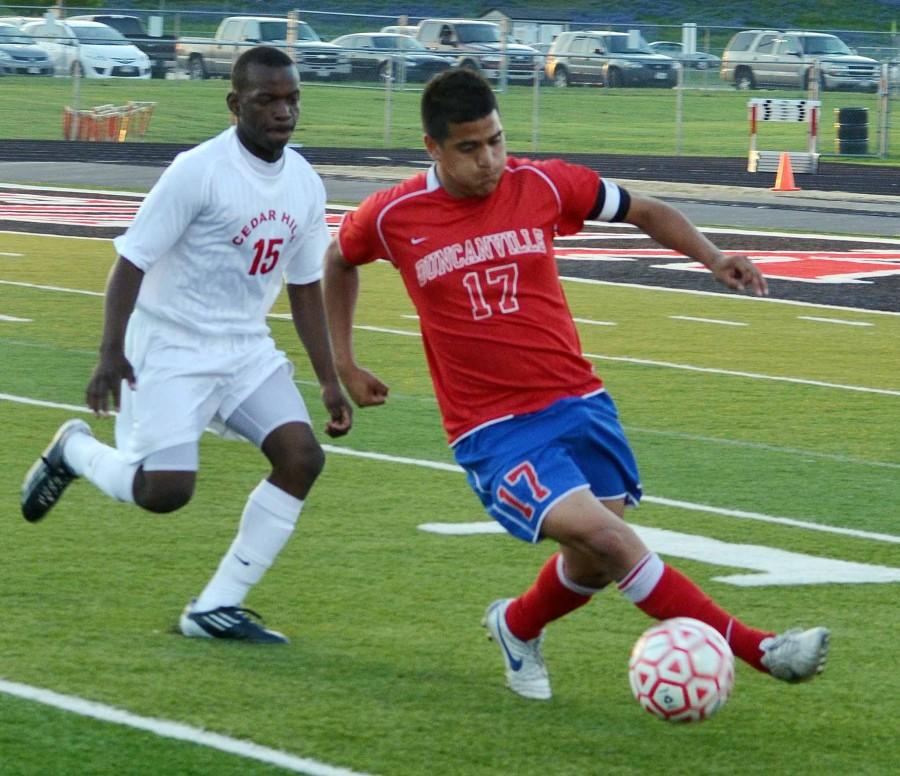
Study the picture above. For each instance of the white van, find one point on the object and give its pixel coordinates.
(89, 49)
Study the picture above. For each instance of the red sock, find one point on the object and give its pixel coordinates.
(677, 596)
(546, 600)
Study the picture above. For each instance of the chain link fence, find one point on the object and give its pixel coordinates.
(360, 94)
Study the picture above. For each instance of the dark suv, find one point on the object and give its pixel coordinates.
(790, 59)
(605, 58)
(161, 50)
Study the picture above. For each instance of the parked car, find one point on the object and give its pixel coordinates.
(19, 21)
(89, 49)
(790, 59)
(477, 44)
(206, 57)
(19, 55)
(160, 50)
(376, 55)
(605, 58)
(402, 29)
(699, 60)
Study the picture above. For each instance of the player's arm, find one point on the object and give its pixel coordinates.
(669, 227)
(308, 313)
(341, 293)
(112, 368)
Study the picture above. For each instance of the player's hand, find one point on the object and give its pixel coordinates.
(364, 388)
(107, 379)
(338, 408)
(740, 274)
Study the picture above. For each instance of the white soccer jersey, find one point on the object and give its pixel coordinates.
(219, 231)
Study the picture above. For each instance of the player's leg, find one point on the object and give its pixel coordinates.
(55, 470)
(597, 546)
(275, 418)
(74, 452)
(519, 472)
(154, 460)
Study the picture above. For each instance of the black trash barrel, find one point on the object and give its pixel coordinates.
(851, 130)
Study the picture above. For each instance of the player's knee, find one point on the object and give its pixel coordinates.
(612, 545)
(302, 463)
(163, 494)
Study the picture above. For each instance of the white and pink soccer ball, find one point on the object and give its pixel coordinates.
(681, 670)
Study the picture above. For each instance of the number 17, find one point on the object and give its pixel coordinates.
(506, 276)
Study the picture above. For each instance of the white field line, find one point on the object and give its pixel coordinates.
(706, 320)
(833, 320)
(749, 375)
(51, 288)
(589, 322)
(795, 451)
(167, 729)
(567, 278)
(726, 295)
(452, 467)
(737, 513)
(646, 362)
(13, 319)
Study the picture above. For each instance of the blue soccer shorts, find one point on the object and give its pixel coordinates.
(521, 467)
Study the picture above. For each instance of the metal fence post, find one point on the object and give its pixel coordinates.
(884, 112)
(679, 112)
(504, 63)
(536, 110)
(388, 101)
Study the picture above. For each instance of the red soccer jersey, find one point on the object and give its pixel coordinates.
(498, 333)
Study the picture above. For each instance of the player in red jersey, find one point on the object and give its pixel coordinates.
(527, 418)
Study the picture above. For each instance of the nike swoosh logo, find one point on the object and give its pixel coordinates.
(241, 560)
(417, 240)
(514, 664)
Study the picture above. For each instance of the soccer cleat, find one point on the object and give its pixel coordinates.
(795, 655)
(227, 622)
(49, 476)
(526, 673)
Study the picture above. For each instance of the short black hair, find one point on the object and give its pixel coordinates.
(456, 96)
(267, 56)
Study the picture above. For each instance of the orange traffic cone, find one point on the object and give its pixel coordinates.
(784, 178)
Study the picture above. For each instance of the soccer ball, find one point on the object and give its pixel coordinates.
(681, 670)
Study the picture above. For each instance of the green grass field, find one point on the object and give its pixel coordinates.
(626, 121)
(389, 672)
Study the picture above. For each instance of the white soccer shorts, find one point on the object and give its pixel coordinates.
(187, 382)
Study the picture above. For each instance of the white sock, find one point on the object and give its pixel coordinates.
(267, 523)
(102, 465)
(638, 583)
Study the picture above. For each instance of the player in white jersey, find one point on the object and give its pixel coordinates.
(185, 341)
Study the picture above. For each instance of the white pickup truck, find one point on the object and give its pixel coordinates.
(214, 57)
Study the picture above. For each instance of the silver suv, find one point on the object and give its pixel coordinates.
(477, 44)
(790, 60)
(605, 58)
